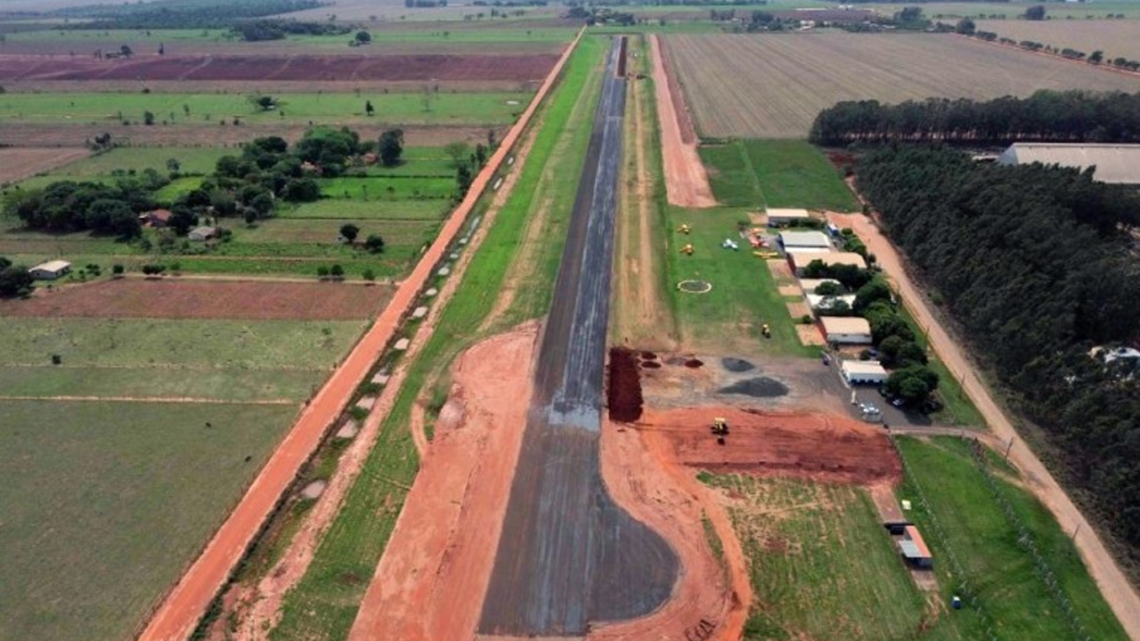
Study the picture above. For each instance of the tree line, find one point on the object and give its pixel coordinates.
(1052, 116)
(1035, 264)
(176, 14)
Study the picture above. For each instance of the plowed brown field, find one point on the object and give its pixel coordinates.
(772, 86)
(252, 300)
(18, 164)
(282, 68)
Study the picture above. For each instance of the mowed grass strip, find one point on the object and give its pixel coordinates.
(427, 209)
(390, 188)
(172, 344)
(764, 86)
(821, 564)
(743, 296)
(209, 109)
(324, 603)
(105, 503)
(999, 570)
(775, 173)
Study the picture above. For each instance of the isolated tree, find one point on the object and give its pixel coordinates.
(349, 232)
(391, 147)
(458, 151)
(322, 271)
(1035, 13)
(363, 37)
(1096, 57)
(15, 281)
(369, 110)
(117, 269)
(264, 103)
(374, 243)
(965, 26)
(336, 271)
(148, 118)
(126, 51)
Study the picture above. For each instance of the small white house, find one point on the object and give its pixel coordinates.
(778, 217)
(863, 372)
(805, 239)
(50, 270)
(203, 233)
(846, 329)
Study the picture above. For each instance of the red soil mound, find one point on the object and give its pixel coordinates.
(623, 397)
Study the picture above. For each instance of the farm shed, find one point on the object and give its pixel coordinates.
(824, 304)
(914, 549)
(846, 329)
(203, 233)
(50, 270)
(157, 218)
(1117, 164)
(809, 284)
(863, 372)
(805, 239)
(777, 217)
(801, 258)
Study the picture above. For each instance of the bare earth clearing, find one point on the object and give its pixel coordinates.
(686, 183)
(772, 86)
(18, 164)
(1116, 38)
(165, 298)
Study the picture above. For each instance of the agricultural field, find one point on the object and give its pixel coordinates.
(405, 205)
(170, 421)
(772, 86)
(17, 164)
(424, 108)
(1001, 572)
(1012, 10)
(1116, 38)
(775, 173)
(91, 488)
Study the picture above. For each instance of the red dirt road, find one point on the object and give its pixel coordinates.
(239, 300)
(430, 582)
(187, 602)
(1102, 566)
(686, 182)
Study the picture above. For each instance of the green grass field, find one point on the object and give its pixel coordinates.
(999, 571)
(324, 603)
(822, 566)
(391, 188)
(743, 296)
(339, 208)
(775, 173)
(223, 384)
(442, 108)
(105, 503)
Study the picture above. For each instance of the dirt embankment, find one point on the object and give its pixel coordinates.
(431, 580)
(686, 182)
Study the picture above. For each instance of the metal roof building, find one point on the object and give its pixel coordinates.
(806, 239)
(846, 329)
(868, 372)
(1117, 164)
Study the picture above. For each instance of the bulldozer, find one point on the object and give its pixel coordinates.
(720, 429)
(766, 331)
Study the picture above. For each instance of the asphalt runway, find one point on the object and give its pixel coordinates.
(569, 556)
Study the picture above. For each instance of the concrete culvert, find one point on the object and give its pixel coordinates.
(759, 387)
(736, 364)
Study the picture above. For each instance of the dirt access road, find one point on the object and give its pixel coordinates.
(686, 182)
(180, 612)
(1113, 584)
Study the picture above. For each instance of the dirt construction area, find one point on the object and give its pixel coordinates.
(440, 68)
(431, 580)
(238, 300)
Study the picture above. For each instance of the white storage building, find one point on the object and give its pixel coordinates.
(863, 372)
(805, 239)
(846, 329)
(1118, 164)
(50, 270)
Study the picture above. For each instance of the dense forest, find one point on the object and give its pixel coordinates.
(1052, 116)
(1035, 265)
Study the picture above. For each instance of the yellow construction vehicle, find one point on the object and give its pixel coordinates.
(687, 249)
(720, 427)
(767, 331)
